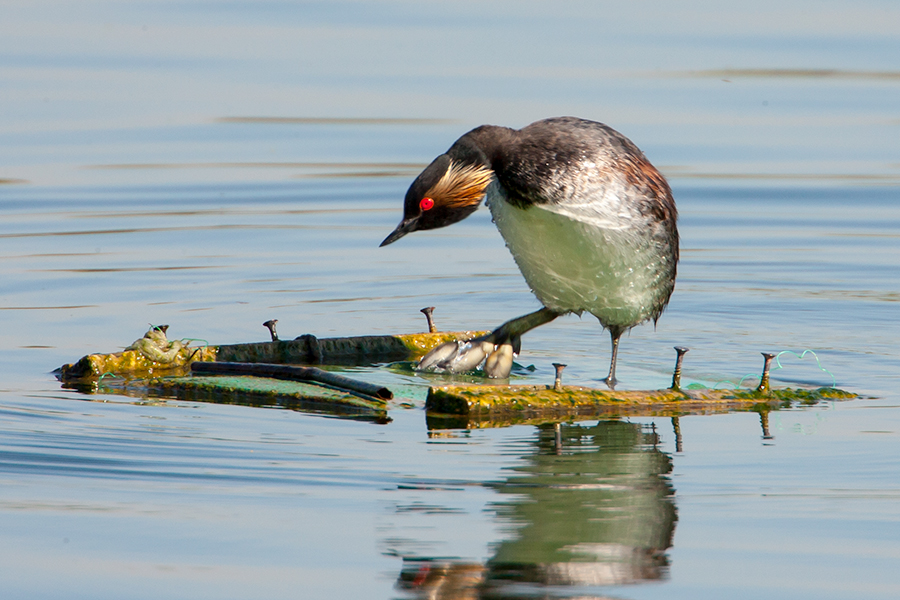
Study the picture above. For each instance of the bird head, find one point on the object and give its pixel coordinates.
(446, 192)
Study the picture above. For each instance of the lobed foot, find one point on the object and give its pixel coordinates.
(462, 356)
(499, 363)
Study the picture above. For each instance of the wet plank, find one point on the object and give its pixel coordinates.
(305, 349)
(505, 404)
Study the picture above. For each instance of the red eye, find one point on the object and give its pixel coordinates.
(426, 204)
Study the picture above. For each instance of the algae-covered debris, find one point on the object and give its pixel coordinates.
(154, 353)
(150, 355)
(156, 347)
(528, 401)
(364, 349)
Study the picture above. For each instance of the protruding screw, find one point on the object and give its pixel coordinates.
(270, 325)
(427, 312)
(764, 380)
(676, 376)
(557, 383)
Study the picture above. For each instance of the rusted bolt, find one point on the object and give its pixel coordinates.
(427, 312)
(270, 325)
(764, 380)
(676, 376)
(557, 383)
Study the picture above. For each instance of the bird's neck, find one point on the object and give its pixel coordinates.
(482, 145)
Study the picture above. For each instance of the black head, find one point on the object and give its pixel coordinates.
(444, 193)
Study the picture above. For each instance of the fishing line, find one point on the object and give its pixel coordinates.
(805, 352)
(778, 365)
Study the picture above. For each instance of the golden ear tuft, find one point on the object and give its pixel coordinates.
(462, 185)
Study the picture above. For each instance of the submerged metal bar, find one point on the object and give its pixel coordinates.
(293, 373)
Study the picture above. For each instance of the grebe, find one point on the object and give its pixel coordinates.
(589, 221)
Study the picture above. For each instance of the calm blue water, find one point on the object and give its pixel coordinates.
(212, 166)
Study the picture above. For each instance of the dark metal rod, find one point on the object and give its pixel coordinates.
(293, 373)
(557, 383)
(764, 379)
(676, 376)
(428, 312)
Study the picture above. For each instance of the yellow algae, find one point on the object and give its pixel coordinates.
(420, 344)
(135, 364)
(154, 354)
(531, 401)
(151, 354)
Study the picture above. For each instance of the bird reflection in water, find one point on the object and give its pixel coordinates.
(591, 506)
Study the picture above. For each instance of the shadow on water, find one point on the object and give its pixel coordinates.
(591, 505)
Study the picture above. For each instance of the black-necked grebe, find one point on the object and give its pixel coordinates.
(589, 221)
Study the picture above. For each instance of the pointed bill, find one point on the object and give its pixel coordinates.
(405, 226)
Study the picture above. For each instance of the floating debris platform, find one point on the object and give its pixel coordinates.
(281, 373)
(520, 403)
(163, 357)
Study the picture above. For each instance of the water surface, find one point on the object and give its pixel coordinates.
(212, 166)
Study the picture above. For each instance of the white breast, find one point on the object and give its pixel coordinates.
(579, 259)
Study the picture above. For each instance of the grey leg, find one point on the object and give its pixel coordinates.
(615, 333)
